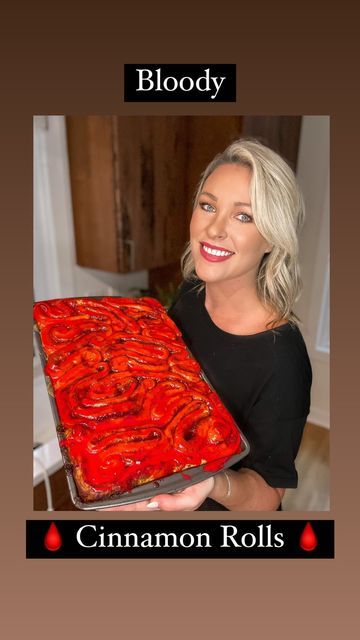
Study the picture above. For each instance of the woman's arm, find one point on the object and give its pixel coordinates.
(247, 491)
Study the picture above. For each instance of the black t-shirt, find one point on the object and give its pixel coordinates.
(263, 379)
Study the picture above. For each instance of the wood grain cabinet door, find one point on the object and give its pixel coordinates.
(128, 182)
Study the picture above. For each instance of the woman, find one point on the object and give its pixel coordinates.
(235, 311)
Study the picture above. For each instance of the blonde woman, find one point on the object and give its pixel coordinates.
(235, 311)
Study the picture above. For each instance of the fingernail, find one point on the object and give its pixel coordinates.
(152, 505)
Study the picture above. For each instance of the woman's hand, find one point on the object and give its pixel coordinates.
(187, 500)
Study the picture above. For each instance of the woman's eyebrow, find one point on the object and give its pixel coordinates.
(242, 204)
(206, 193)
(237, 204)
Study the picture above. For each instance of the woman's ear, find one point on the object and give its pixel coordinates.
(269, 249)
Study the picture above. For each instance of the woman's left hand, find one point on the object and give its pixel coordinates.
(187, 500)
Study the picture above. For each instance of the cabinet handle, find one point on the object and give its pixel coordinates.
(131, 244)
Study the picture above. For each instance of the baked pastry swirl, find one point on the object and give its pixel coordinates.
(132, 402)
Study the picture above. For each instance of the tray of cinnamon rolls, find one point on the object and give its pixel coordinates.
(135, 414)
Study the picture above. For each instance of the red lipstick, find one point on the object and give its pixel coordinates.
(212, 257)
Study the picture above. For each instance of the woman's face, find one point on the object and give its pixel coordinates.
(224, 239)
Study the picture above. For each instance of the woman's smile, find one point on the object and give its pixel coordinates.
(213, 253)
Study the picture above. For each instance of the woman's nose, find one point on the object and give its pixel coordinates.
(217, 229)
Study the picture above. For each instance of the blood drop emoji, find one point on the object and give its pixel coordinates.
(53, 539)
(308, 539)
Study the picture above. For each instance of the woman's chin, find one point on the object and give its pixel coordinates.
(206, 274)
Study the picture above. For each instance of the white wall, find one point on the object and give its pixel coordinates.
(313, 307)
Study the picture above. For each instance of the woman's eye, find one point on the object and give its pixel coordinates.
(244, 217)
(206, 206)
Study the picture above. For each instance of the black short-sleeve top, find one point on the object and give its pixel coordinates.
(264, 380)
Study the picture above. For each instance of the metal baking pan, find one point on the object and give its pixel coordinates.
(168, 484)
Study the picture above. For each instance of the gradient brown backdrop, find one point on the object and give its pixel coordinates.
(71, 62)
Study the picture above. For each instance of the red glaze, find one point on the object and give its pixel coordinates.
(131, 400)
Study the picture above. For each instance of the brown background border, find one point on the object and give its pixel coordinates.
(72, 63)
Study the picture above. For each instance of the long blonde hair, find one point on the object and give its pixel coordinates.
(278, 211)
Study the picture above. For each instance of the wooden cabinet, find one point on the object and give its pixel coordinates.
(133, 180)
(128, 184)
(281, 133)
